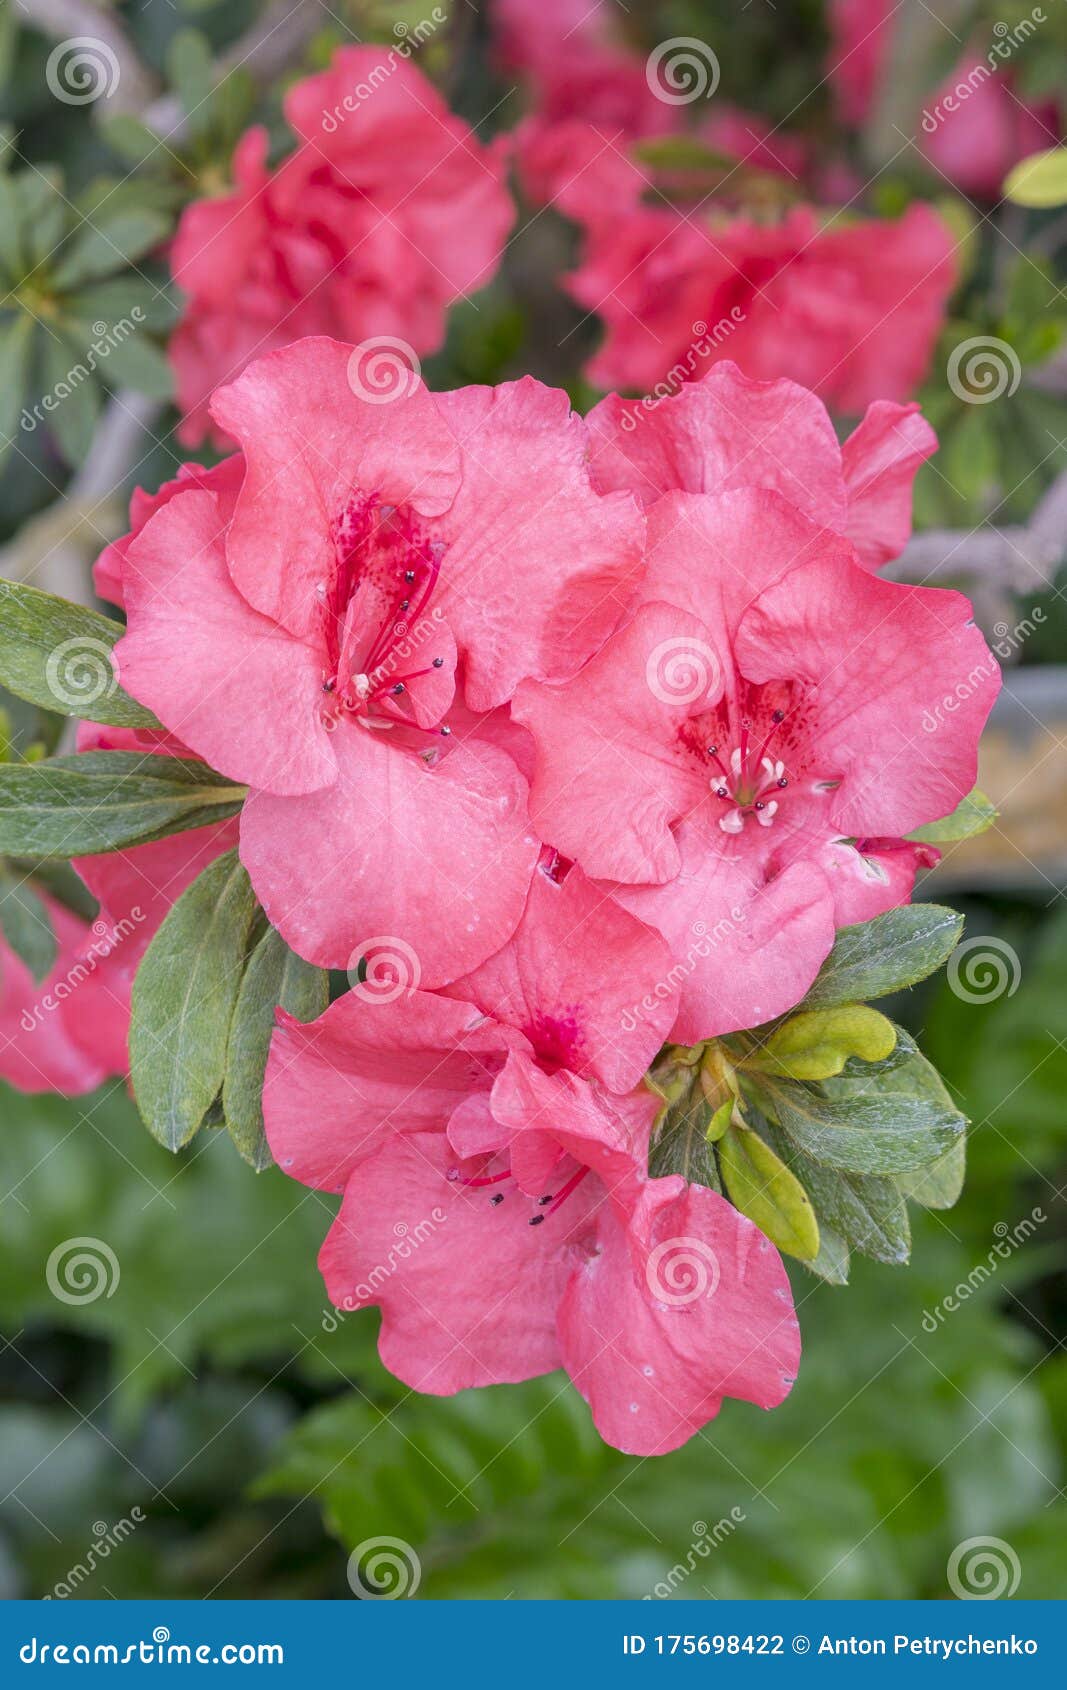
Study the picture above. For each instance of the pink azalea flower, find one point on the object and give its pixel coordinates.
(850, 310)
(726, 431)
(975, 127)
(64, 1034)
(860, 35)
(302, 631)
(352, 235)
(500, 1216)
(767, 706)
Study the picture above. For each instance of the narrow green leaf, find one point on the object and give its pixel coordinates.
(26, 925)
(758, 1183)
(972, 815)
(884, 955)
(183, 1000)
(94, 801)
(274, 976)
(58, 655)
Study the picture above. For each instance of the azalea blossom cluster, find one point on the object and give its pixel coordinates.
(566, 740)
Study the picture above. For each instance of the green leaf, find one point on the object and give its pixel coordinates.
(58, 655)
(111, 240)
(939, 1185)
(866, 1211)
(972, 815)
(817, 1043)
(758, 1183)
(885, 1129)
(26, 925)
(881, 956)
(1040, 181)
(832, 1262)
(183, 1000)
(43, 213)
(16, 338)
(137, 362)
(190, 69)
(78, 805)
(275, 975)
(61, 882)
(71, 401)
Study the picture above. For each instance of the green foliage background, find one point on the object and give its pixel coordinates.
(214, 1390)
